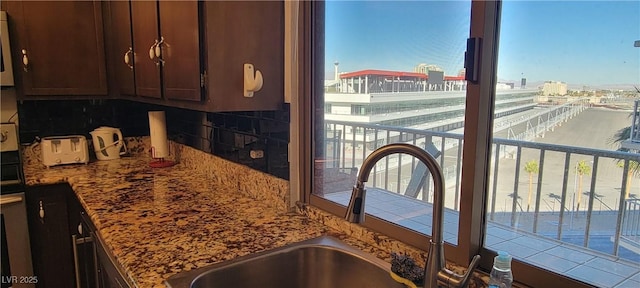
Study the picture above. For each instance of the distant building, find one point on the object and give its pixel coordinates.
(541, 99)
(554, 88)
(504, 86)
(405, 99)
(381, 81)
(425, 68)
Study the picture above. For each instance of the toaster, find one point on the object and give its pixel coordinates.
(58, 150)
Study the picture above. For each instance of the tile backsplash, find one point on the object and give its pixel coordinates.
(257, 139)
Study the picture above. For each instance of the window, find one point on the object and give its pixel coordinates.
(558, 193)
(327, 108)
(358, 110)
(378, 62)
(374, 47)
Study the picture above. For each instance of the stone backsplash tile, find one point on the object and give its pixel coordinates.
(255, 184)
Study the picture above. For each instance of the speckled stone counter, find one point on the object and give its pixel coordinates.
(158, 222)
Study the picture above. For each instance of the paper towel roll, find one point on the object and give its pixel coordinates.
(158, 134)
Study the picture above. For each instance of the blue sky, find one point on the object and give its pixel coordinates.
(578, 42)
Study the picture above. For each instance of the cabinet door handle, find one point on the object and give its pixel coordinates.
(158, 50)
(127, 58)
(152, 50)
(25, 60)
(80, 229)
(41, 212)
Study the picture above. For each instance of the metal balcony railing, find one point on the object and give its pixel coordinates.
(635, 124)
(573, 193)
(631, 223)
(633, 142)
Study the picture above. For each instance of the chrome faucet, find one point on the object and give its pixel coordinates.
(435, 272)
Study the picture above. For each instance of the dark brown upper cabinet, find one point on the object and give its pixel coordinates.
(120, 44)
(58, 47)
(180, 50)
(188, 50)
(186, 54)
(144, 24)
(239, 32)
(166, 49)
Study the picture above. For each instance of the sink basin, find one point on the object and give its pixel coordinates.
(316, 263)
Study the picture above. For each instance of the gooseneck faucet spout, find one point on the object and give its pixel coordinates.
(435, 272)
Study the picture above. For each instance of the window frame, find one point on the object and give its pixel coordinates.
(485, 24)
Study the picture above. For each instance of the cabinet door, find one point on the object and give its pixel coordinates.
(51, 242)
(64, 45)
(180, 50)
(241, 32)
(144, 23)
(122, 46)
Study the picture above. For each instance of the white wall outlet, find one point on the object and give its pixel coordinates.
(256, 154)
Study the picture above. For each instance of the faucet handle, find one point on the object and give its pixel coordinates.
(451, 279)
(355, 210)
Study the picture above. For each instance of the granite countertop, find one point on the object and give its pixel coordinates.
(159, 222)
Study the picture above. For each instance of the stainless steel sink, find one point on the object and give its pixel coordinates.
(317, 263)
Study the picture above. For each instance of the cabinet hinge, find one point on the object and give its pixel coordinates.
(203, 79)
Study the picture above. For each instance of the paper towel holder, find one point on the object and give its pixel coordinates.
(160, 147)
(160, 162)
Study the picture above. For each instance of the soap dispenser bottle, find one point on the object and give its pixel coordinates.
(501, 276)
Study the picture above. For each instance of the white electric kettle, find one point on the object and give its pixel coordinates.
(108, 143)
